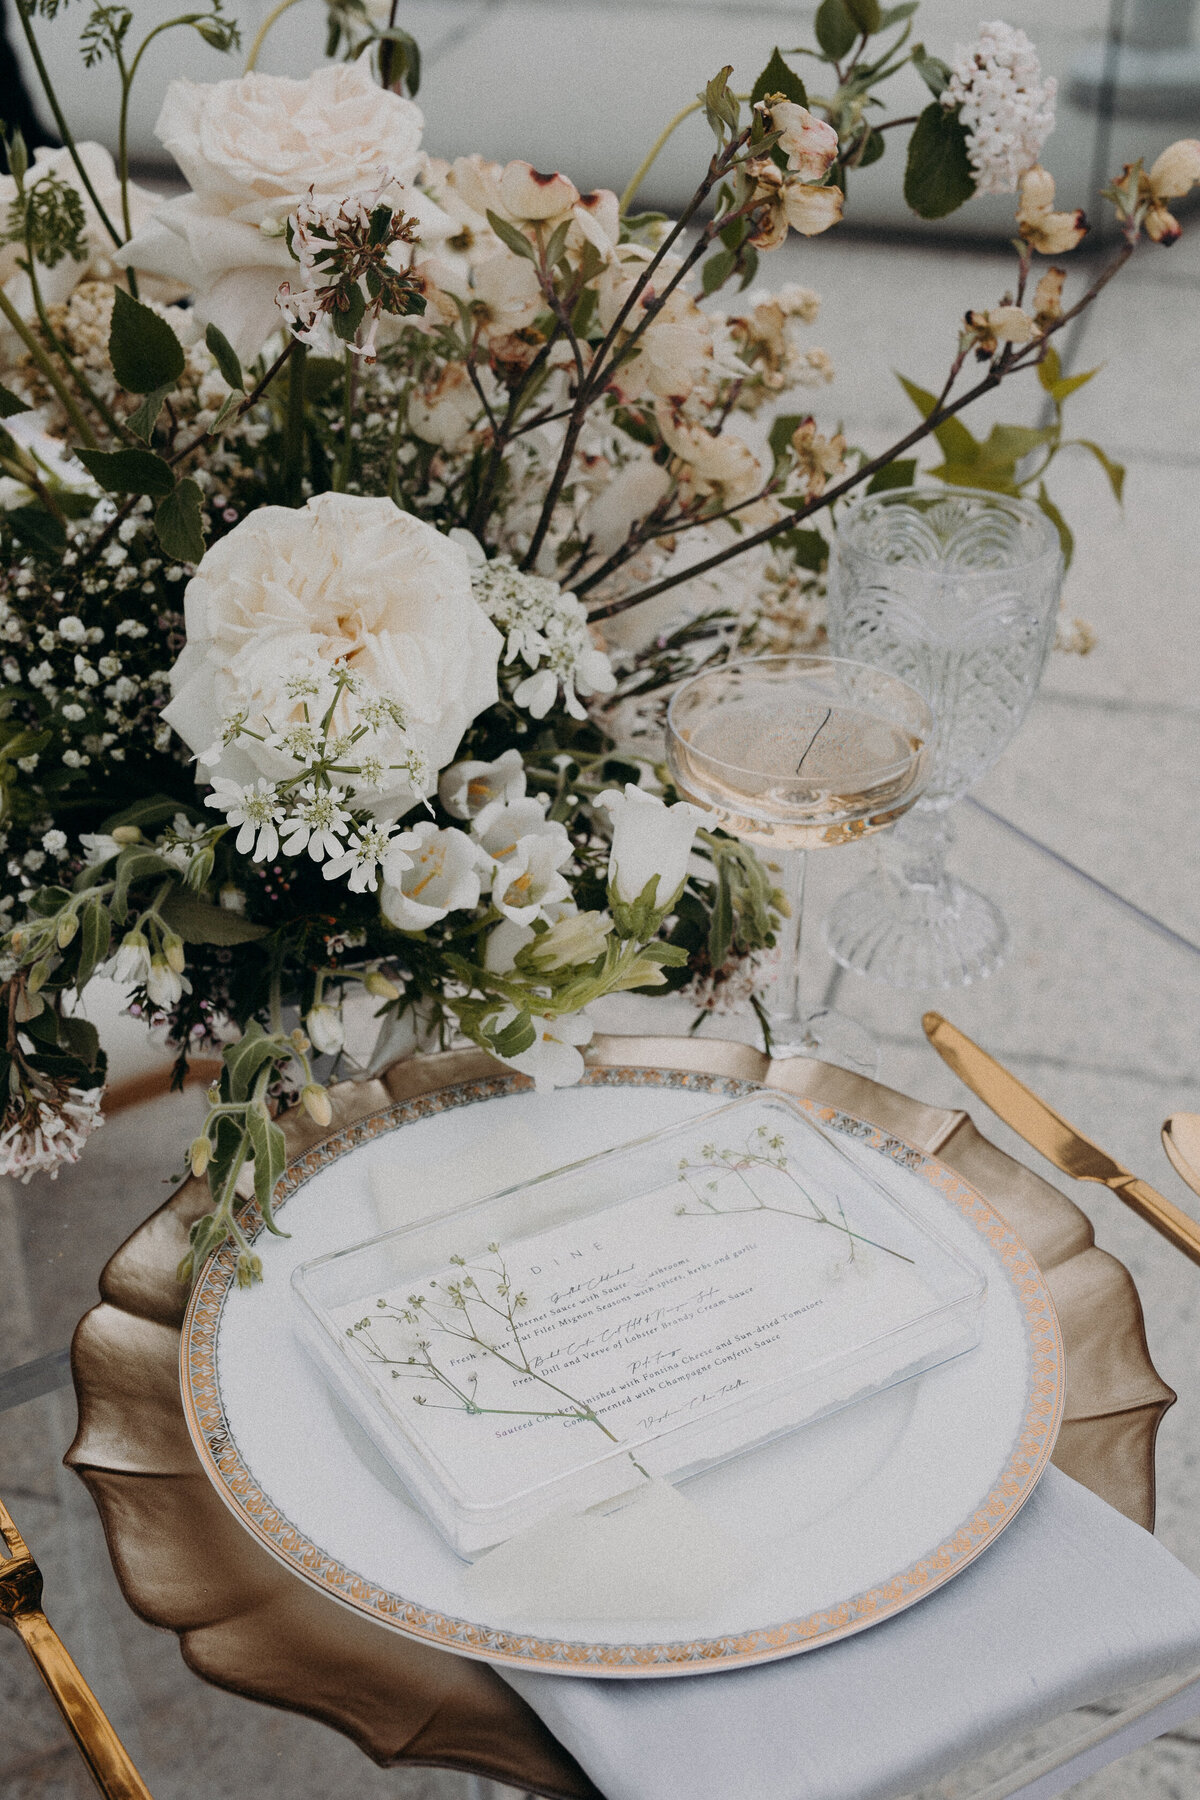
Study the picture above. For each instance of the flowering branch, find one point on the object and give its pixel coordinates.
(1005, 364)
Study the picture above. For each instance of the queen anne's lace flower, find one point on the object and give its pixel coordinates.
(360, 860)
(1005, 105)
(318, 823)
(256, 809)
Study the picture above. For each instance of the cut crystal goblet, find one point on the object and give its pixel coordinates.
(957, 592)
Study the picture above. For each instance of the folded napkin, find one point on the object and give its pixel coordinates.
(1072, 1604)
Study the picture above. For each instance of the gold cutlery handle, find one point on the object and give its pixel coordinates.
(1163, 1214)
(108, 1761)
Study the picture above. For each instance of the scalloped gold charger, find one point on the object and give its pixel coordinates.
(849, 1522)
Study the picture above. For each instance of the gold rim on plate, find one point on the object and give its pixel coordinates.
(1033, 1443)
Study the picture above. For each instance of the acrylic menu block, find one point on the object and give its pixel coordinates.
(647, 1312)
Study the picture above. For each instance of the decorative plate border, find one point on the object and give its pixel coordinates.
(221, 1458)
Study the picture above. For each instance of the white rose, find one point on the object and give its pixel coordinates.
(342, 577)
(59, 283)
(649, 838)
(251, 150)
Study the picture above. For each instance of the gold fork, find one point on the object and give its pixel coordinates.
(106, 1757)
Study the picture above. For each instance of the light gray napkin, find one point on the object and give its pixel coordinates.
(1072, 1604)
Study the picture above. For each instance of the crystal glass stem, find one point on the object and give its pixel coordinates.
(788, 1028)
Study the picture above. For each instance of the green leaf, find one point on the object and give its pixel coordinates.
(226, 356)
(136, 863)
(975, 474)
(48, 900)
(1065, 536)
(407, 65)
(128, 471)
(229, 404)
(809, 548)
(718, 269)
(955, 440)
(346, 320)
(867, 14)
(556, 248)
(720, 930)
(896, 15)
(227, 1140)
(938, 177)
(516, 1037)
(157, 809)
(9, 403)
(1114, 470)
(1005, 445)
(80, 1037)
(835, 29)
(270, 1160)
(899, 474)
(871, 151)
(199, 923)
(36, 529)
(95, 934)
(932, 70)
(780, 436)
(777, 78)
(177, 522)
(1069, 384)
(144, 418)
(515, 240)
(244, 1059)
(144, 351)
(720, 105)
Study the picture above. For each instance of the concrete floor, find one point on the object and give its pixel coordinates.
(1106, 770)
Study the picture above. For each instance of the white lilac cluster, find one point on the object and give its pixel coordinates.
(42, 1137)
(1005, 103)
(547, 630)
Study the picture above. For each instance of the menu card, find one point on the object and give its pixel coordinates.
(695, 1304)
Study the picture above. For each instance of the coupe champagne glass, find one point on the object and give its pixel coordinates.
(796, 753)
(957, 592)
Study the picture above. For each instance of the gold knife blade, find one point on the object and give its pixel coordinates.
(1057, 1140)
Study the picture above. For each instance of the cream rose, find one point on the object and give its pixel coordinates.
(251, 150)
(286, 594)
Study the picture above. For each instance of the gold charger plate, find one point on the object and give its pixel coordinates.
(247, 1624)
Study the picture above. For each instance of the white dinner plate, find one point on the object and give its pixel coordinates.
(845, 1523)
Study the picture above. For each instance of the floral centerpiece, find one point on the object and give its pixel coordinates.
(357, 509)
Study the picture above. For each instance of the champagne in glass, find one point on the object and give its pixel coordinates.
(796, 753)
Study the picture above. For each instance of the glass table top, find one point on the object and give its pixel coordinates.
(1096, 1009)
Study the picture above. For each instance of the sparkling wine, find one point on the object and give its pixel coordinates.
(781, 769)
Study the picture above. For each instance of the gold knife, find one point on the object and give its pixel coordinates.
(107, 1759)
(1058, 1141)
